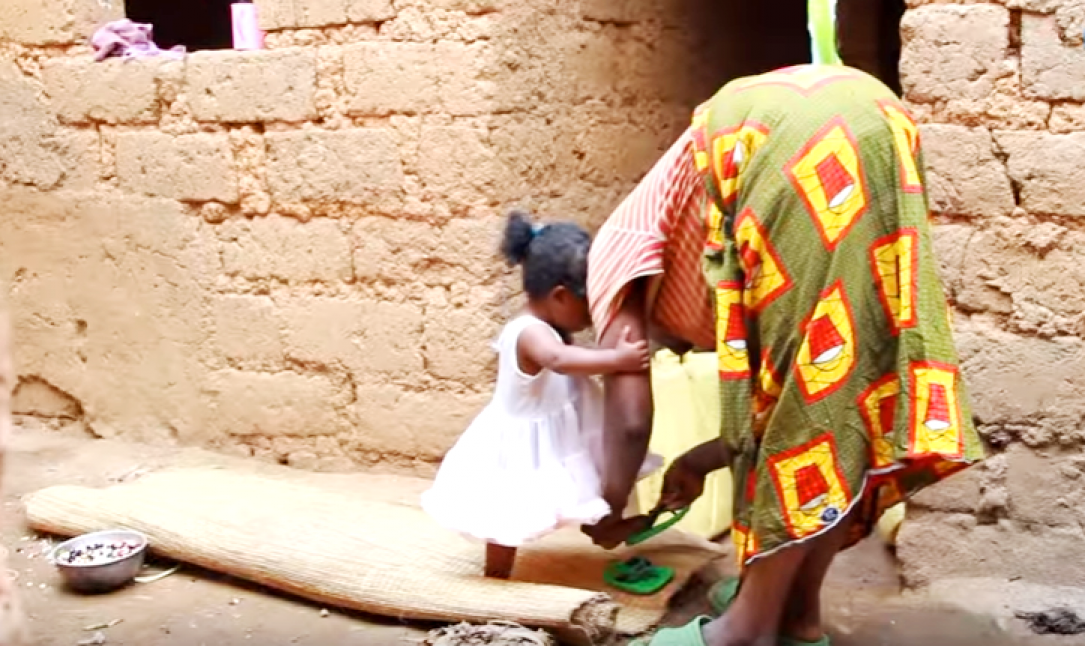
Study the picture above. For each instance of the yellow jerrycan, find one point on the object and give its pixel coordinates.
(685, 392)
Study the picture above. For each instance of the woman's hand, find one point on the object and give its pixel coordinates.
(682, 485)
(613, 530)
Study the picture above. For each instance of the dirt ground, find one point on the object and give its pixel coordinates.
(197, 608)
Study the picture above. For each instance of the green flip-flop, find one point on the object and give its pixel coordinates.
(787, 641)
(657, 529)
(722, 595)
(688, 635)
(691, 635)
(638, 576)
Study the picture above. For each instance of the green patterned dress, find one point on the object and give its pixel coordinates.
(839, 379)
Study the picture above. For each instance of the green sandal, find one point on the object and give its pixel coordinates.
(691, 635)
(787, 641)
(722, 595)
(654, 529)
(688, 635)
(638, 576)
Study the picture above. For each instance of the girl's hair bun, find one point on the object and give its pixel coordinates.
(519, 232)
(549, 256)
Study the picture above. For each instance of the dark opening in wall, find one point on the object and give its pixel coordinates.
(868, 32)
(745, 37)
(196, 24)
(765, 36)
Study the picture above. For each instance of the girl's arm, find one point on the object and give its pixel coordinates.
(539, 349)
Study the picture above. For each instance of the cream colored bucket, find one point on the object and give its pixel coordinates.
(687, 413)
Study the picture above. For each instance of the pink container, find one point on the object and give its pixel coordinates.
(247, 33)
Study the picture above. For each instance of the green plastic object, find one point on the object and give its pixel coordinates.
(657, 529)
(638, 576)
(821, 16)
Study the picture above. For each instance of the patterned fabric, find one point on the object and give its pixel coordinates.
(839, 378)
(658, 232)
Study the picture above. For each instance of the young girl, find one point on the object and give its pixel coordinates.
(528, 463)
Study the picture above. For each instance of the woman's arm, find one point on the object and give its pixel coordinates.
(706, 457)
(538, 348)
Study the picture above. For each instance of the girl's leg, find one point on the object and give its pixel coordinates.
(802, 612)
(499, 561)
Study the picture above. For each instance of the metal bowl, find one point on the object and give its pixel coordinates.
(101, 574)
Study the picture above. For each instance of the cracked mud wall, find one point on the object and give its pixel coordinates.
(290, 253)
(1000, 87)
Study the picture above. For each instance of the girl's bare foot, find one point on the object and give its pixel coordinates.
(499, 561)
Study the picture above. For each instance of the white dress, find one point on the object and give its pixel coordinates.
(529, 463)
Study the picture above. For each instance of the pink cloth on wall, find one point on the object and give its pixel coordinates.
(127, 39)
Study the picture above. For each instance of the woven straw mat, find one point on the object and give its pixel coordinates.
(361, 542)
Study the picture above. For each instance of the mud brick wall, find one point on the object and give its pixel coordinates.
(290, 253)
(12, 621)
(1001, 89)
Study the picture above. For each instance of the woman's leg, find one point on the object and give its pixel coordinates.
(781, 595)
(499, 561)
(802, 612)
(754, 617)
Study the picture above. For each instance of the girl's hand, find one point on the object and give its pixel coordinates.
(633, 356)
(683, 483)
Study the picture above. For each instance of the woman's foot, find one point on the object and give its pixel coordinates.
(802, 633)
(787, 641)
(728, 631)
(802, 628)
(703, 631)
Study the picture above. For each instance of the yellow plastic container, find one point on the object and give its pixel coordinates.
(890, 522)
(687, 413)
